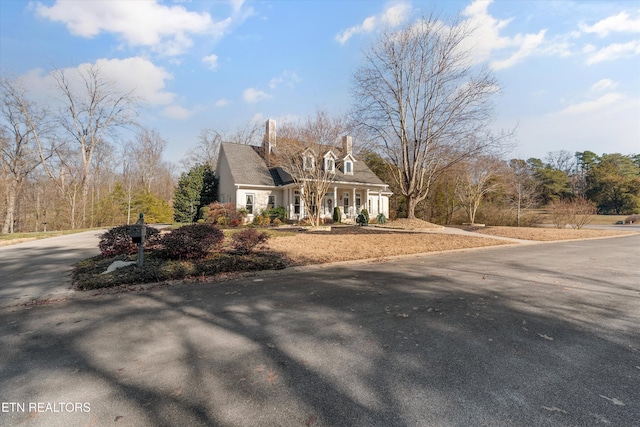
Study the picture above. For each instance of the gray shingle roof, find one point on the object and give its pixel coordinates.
(248, 167)
(246, 164)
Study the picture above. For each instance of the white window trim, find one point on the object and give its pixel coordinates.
(253, 202)
(348, 167)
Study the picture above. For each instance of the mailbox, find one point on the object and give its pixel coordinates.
(137, 233)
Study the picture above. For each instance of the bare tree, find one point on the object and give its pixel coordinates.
(521, 187)
(562, 160)
(427, 105)
(145, 154)
(94, 108)
(479, 178)
(208, 147)
(306, 151)
(21, 124)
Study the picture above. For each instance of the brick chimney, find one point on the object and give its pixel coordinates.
(347, 145)
(269, 141)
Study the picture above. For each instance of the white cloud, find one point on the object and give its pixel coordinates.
(621, 23)
(395, 15)
(140, 75)
(211, 61)
(391, 16)
(528, 45)
(608, 124)
(222, 102)
(176, 112)
(487, 30)
(600, 104)
(165, 29)
(253, 96)
(603, 85)
(487, 40)
(290, 79)
(612, 52)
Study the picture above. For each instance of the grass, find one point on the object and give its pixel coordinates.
(290, 247)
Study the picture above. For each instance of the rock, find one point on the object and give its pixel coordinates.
(118, 264)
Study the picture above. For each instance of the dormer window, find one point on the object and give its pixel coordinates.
(329, 162)
(309, 162)
(329, 165)
(348, 167)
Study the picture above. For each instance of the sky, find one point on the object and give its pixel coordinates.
(569, 71)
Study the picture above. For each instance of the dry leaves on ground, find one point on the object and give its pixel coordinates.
(547, 234)
(315, 248)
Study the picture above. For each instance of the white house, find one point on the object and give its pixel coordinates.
(246, 179)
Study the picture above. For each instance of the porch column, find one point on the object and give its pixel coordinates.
(335, 199)
(380, 201)
(366, 201)
(353, 203)
(302, 204)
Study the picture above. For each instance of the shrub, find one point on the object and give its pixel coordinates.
(576, 213)
(225, 214)
(365, 213)
(261, 220)
(117, 241)
(276, 222)
(337, 215)
(275, 213)
(381, 218)
(193, 241)
(246, 240)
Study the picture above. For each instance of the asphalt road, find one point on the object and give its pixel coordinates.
(526, 335)
(40, 269)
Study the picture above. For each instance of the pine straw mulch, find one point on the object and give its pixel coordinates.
(371, 242)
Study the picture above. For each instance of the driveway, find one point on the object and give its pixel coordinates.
(41, 269)
(528, 335)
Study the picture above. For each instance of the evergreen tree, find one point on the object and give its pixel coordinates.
(614, 184)
(196, 188)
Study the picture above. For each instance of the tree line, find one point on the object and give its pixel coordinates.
(496, 191)
(422, 112)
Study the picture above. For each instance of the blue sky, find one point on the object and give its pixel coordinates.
(570, 70)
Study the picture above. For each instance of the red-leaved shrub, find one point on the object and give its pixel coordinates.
(245, 241)
(117, 241)
(193, 241)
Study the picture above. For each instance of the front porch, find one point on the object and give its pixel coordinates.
(350, 201)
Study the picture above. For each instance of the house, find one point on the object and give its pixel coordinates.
(247, 179)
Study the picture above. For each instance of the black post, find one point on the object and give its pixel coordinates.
(143, 234)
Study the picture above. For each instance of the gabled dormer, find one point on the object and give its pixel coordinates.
(308, 160)
(329, 162)
(348, 164)
(347, 160)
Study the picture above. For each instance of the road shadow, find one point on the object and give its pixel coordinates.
(425, 341)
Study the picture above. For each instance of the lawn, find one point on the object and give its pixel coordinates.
(300, 246)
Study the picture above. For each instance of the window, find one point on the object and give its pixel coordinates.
(329, 165)
(296, 203)
(309, 162)
(358, 201)
(249, 204)
(348, 168)
(271, 202)
(345, 198)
